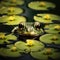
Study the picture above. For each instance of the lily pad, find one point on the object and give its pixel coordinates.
(50, 38)
(11, 37)
(6, 38)
(41, 5)
(52, 28)
(45, 54)
(52, 53)
(10, 52)
(46, 18)
(34, 45)
(40, 55)
(22, 46)
(12, 20)
(12, 2)
(10, 10)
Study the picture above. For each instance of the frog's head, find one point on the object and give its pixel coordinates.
(30, 28)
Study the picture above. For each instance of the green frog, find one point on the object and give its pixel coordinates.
(28, 29)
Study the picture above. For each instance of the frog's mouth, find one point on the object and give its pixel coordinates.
(28, 36)
(30, 33)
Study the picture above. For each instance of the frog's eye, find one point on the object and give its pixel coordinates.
(21, 25)
(37, 25)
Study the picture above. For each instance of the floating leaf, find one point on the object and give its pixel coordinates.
(41, 5)
(9, 52)
(46, 18)
(12, 20)
(10, 10)
(52, 28)
(34, 45)
(52, 38)
(6, 38)
(12, 2)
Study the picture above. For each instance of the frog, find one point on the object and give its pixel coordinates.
(28, 30)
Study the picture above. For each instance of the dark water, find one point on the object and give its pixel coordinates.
(29, 13)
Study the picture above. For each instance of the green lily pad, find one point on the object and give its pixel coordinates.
(10, 10)
(50, 38)
(12, 2)
(12, 20)
(11, 37)
(34, 45)
(40, 55)
(52, 53)
(52, 28)
(46, 18)
(41, 5)
(9, 52)
(6, 38)
(44, 54)
(22, 46)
